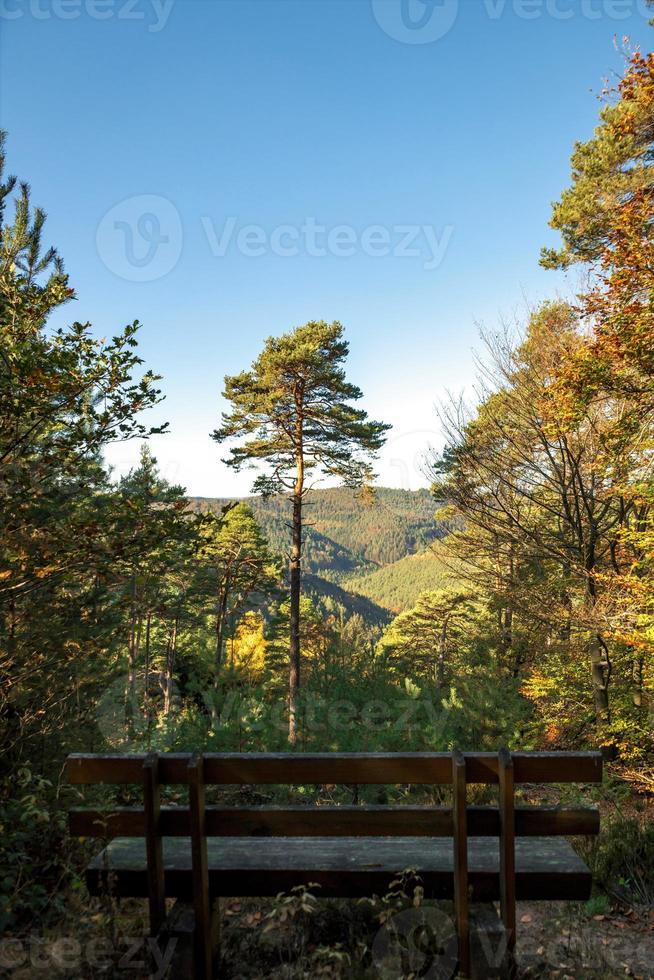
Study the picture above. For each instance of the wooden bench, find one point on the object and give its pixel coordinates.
(198, 853)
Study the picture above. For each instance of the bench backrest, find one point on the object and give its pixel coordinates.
(424, 768)
(419, 768)
(459, 821)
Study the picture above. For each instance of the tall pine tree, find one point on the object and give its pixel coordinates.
(292, 410)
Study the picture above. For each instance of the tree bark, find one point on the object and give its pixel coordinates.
(294, 653)
(170, 667)
(146, 683)
(132, 654)
(600, 664)
(600, 670)
(296, 570)
(637, 678)
(442, 654)
(507, 617)
(507, 638)
(218, 657)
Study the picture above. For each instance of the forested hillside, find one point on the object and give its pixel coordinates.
(397, 586)
(343, 601)
(347, 532)
(351, 545)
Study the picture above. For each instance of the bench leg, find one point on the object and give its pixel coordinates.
(180, 927)
(491, 956)
(201, 896)
(460, 860)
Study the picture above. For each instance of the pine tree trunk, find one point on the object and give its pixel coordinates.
(130, 694)
(170, 668)
(442, 654)
(146, 683)
(294, 661)
(296, 569)
(218, 656)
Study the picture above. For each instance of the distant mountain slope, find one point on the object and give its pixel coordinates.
(346, 535)
(396, 587)
(358, 555)
(319, 589)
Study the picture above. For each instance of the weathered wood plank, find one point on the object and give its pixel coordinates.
(326, 821)
(507, 846)
(179, 928)
(546, 868)
(152, 813)
(460, 860)
(200, 870)
(364, 768)
(488, 944)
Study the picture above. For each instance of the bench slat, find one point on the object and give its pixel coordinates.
(547, 869)
(419, 768)
(327, 821)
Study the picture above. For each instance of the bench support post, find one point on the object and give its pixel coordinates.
(460, 866)
(201, 901)
(507, 848)
(153, 843)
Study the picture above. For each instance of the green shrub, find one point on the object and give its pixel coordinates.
(622, 860)
(31, 858)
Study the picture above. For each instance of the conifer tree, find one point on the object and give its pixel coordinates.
(63, 396)
(236, 567)
(292, 411)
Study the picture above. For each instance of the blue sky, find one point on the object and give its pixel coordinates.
(223, 170)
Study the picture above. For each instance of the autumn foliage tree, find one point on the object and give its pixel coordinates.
(614, 179)
(549, 474)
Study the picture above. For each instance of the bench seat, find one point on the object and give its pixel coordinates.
(546, 868)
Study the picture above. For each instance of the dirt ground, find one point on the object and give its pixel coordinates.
(336, 940)
(559, 940)
(556, 940)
